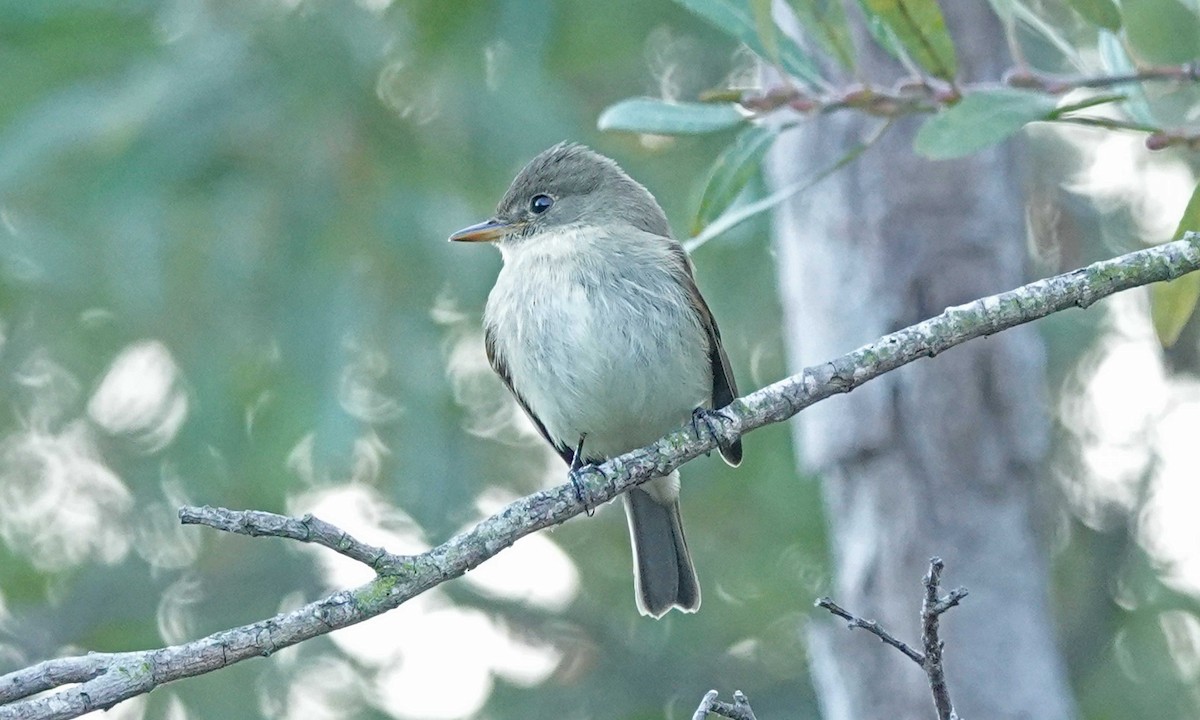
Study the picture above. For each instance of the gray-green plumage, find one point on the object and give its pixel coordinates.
(597, 327)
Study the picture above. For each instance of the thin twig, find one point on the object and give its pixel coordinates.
(872, 627)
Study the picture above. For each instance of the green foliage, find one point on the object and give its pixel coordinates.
(916, 26)
(1101, 13)
(732, 170)
(1162, 31)
(738, 20)
(648, 115)
(980, 120)
(825, 22)
(1173, 304)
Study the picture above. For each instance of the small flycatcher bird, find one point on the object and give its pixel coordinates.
(596, 326)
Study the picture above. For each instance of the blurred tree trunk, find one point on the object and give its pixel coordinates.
(943, 457)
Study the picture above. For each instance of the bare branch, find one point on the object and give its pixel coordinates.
(108, 679)
(931, 610)
(308, 529)
(738, 710)
(872, 627)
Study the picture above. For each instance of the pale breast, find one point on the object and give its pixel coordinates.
(599, 338)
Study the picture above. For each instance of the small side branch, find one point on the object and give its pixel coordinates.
(930, 661)
(872, 627)
(309, 529)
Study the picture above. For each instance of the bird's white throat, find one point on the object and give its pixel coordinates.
(599, 335)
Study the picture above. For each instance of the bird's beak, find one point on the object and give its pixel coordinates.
(482, 232)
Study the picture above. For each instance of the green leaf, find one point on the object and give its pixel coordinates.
(920, 29)
(650, 115)
(736, 216)
(730, 173)
(735, 19)
(764, 27)
(1161, 31)
(1172, 304)
(825, 22)
(1028, 19)
(1116, 61)
(1086, 103)
(1101, 13)
(979, 120)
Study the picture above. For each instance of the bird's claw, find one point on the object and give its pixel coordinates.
(575, 475)
(704, 416)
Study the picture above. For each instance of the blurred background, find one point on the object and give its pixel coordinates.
(224, 279)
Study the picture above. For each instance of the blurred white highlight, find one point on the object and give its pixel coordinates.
(141, 396)
(534, 571)
(1154, 187)
(161, 540)
(428, 659)
(409, 92)
(176, 621)
(358, 391)
(60, 506)
(324, 688)
(1136, 429)
(491, 411)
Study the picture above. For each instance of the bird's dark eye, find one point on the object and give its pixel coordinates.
(540, 204)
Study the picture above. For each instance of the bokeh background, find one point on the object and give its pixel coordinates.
(224, 279)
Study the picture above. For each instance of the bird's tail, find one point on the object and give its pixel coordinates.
(663, 574)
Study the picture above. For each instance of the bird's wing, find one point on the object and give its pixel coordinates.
(724, 387)
(497, 361)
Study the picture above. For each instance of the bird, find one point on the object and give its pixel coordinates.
(596, 326)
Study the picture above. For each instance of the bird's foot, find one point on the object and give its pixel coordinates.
(704, 416)
(576, 475)
(578, 469)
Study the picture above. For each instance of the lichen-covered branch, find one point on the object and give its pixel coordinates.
(257, 523)
(106, 679)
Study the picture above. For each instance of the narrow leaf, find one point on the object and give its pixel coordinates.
(1162, 31)
(1031, 20)
(919, 27)
(736, 216)
(650, 115)
(1172, 304)
(1101, 13)
(979, 120)
(1116, 61)
(764, 27)
(825, 22)
(730, 173)
(735, 19)
(1086, 103)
